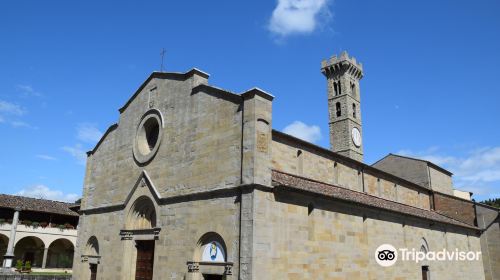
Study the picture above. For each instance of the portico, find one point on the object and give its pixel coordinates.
(42, 232)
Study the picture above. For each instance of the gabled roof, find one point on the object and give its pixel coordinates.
(108, 131)
(209, 89)
(36, 205)
(164, 75)
(308, 185)
(416, 159)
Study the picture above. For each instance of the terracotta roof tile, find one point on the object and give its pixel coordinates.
(299, 183)
(37, 205)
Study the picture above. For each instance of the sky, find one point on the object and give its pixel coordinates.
(430, 88)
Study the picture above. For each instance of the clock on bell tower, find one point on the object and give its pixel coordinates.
(343, 75)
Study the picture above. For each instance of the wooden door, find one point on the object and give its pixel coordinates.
(145, 258)
(93, 271)
(425, 273)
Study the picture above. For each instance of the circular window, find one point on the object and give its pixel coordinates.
(148, 136)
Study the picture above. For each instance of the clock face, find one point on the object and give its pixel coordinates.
(356, 137)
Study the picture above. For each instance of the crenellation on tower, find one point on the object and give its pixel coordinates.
(338, 65)
(343, 74)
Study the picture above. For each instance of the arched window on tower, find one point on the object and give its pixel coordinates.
(338, 109)
(353, 110)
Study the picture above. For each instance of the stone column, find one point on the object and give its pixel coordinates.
(9, 256)
(44, 261)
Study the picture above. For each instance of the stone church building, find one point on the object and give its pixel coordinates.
(193, 183)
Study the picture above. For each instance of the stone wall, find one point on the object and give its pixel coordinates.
(488, 219)
(418, 171)
(410, 169)
(200, 129)
(212, 144)
(291, 157)
(440, 182)
(182, 225)
(302, 236)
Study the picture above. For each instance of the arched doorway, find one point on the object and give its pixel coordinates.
(141, 230)
(142, 214)
(60, 254)
(29, 248)
(4, 242)
(91, 255)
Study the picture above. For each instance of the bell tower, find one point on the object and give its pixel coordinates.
(343, 75)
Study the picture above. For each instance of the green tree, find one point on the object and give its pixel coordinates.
(495, 202)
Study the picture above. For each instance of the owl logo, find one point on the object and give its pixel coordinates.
(213, 251)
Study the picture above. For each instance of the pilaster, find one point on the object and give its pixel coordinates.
(255, 168)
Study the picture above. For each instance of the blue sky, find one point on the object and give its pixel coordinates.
(430, 89)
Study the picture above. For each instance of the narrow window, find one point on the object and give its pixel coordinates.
(353, 110)
(310, 209)
(300, 164)
(335, 88)
(340, 88)
(338, 109)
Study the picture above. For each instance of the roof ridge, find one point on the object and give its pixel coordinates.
(418, 159)
(36, 198)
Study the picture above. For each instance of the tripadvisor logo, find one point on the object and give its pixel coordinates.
(386, 255)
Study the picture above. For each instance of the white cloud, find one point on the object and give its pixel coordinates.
(27, 90)
(88, 132)
(303, 131)
(44, 192)
(477, 171)
(8, 108)
(9, 112)
(20, 124)
(46, 157)
(77, 152)
(297, 16)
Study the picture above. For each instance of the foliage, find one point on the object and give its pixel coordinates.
(19, 264)
(27, 222)
(2, 221)
(35, 224)
(51, 273)
(27, 265)
(495, 202)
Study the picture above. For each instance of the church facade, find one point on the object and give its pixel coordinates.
(193, 183)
